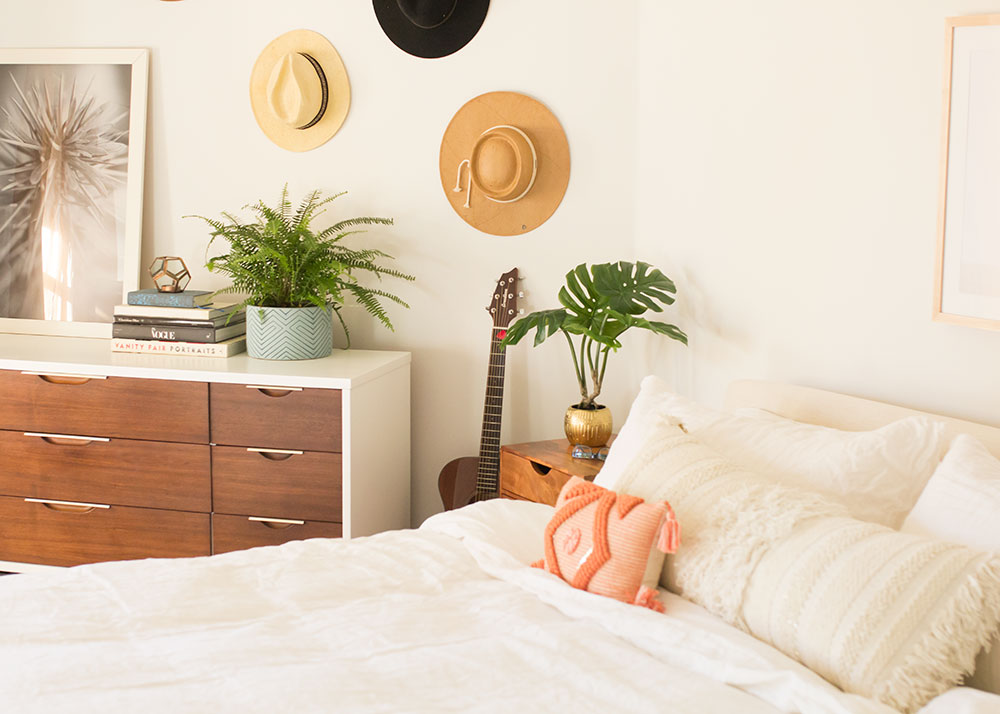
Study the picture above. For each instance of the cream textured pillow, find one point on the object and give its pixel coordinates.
(877, 474)
(962, 504)
(891, 616)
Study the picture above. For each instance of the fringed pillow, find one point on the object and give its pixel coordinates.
(891, 616)
(609, 544)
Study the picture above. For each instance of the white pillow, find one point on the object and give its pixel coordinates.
(887, 615)
(962, 504)
(877, 474)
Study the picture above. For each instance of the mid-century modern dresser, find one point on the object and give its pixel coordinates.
(107, 456)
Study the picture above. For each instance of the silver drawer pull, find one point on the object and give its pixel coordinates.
(274, 388)
(79, 504)
(60, 378)
(290, 452)
(282, 521)
(61, 374)
(41, 435)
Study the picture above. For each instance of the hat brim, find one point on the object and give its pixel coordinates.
(552, 178)
(448, 37)
(320, 49)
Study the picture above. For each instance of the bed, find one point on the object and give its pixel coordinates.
(446, 617)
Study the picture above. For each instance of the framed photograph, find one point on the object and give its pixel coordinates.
(72, 148)
(967, 277)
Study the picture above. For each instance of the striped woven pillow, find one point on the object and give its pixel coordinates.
(892, 616)
(609, 544)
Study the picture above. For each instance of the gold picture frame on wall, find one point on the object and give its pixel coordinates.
(967, 270)
(72, 150)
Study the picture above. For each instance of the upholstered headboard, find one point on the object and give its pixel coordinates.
(816, 406)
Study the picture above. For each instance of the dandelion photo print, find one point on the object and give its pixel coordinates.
(67, 157)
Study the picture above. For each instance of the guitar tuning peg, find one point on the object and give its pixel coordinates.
(520, 293)
(520, 311)
(520, 278)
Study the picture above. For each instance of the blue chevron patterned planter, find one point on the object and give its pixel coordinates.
(285, 333)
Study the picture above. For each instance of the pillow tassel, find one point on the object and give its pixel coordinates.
(670, 532)
(646, 597)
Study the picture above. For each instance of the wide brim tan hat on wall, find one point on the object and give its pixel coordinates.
(504, 163)
(299, 90)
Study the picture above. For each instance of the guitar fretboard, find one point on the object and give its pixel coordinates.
(488, 474)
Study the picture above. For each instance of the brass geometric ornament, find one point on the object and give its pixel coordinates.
(170, 274)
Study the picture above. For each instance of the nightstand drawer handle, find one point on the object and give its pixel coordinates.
(64, 378)
(67, 506)
(275, 454)
(66, 439)
(274, 391)
(276, 522)
(540, 469)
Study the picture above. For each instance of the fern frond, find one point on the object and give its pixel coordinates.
(277, 260)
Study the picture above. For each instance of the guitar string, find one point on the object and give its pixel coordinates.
(488, 471)
(487, 476)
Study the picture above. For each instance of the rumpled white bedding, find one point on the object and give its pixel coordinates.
(444, 618)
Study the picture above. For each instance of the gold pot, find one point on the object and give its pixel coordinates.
(591, 427)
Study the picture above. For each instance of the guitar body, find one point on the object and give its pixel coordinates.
(457, 482)
(470, 479)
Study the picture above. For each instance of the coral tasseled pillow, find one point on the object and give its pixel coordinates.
(609, 543)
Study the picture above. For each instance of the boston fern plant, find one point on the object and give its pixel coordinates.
(279, 260)
(599, 303)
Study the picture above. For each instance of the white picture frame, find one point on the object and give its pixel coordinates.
(90, 72)
(967, 268)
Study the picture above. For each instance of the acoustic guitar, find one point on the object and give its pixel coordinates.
(469, 479)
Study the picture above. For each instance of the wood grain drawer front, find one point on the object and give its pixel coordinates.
(289, 418)
(239, 532)
(280, 483)
(529, 480)
(123, 472)
(121, 407)
(57, 534)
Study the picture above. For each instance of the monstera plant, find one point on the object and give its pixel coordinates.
(599, 303)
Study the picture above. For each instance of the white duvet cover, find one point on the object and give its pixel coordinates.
(446, 618)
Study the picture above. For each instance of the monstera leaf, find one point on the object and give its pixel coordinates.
(632, 289)
(599, 303)
(546, 322)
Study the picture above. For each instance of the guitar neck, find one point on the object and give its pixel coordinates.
(488, 475)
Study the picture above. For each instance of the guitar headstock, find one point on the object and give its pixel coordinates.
(503, 306)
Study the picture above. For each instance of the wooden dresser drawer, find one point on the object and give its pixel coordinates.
(537, 471)
(47, 534)
(154, 474)
(120, 407)
(291, 418)
(304, 485)
(239, 532)
(530, 480)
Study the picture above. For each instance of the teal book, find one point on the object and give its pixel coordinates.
(154, 298)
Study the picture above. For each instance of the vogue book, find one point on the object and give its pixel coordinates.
(171, 333)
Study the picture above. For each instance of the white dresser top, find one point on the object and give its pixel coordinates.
(93, 356)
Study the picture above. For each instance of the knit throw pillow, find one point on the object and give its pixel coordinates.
(891, 616)
(608, 543)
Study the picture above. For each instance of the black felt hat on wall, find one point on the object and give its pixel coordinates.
(431, 28)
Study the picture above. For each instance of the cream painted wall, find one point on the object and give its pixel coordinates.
(779, 159)
(206, 154)
(788, 176)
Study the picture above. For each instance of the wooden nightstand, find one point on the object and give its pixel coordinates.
(536, 471)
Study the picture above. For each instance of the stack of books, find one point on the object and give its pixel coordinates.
(186, 323)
